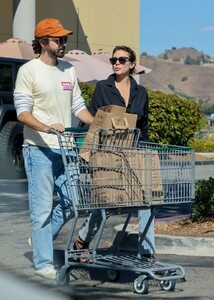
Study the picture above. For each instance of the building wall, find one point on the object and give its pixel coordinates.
(6, 19)
(97, 24)
(109, 23)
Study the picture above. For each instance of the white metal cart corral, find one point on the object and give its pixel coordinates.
(115, 172)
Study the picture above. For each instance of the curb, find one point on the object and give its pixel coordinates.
(204, 162)
(171, 219)
(180, 245)
(166, 244)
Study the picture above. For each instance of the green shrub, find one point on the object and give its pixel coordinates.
(87, 90)
(200, 145)
(203, 205)
(172, 120)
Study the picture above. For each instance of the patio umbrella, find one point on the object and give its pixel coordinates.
(16, 48)
(104, 56)
(87, 67)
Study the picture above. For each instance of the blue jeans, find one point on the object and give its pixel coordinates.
(45, 173)
(92, 224)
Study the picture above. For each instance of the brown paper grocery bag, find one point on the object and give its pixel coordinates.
(113, 182)
(108, 117)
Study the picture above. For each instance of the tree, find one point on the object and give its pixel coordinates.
(165, 56)
(188, 60)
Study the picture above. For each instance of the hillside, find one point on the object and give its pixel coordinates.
(179, 55)
(194, 81)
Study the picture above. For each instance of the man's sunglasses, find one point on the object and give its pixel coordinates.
(60, 40)
(122, 60)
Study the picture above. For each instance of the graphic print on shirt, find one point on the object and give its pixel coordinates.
(67, 86)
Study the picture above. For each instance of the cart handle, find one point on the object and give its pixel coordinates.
(77, 129)
(172, 148)
(70, 129)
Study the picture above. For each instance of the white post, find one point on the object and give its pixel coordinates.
(24, 19)
(137, 78)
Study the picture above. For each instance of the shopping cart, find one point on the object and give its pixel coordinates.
(123, 175)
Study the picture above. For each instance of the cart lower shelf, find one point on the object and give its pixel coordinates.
(115, 262)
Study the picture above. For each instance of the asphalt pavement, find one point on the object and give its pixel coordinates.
(16, 268)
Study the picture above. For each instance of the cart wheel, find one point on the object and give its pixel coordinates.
(113, 275)
(168, 285)
(141, 285)
(62, 277)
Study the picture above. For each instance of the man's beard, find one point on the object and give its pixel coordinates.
(59, 53)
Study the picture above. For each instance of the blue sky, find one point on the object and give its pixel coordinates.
(176, 23)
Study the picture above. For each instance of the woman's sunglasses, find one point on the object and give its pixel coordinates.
(122, 60)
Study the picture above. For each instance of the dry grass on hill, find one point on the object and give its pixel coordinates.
(198, 79)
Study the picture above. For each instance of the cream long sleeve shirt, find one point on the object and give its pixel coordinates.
(51, 94)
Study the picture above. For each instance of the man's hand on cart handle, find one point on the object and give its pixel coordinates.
(56, 128)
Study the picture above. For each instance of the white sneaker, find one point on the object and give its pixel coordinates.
(48, 272)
